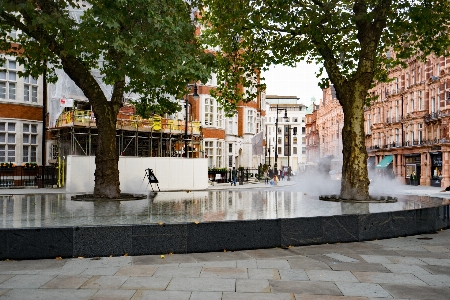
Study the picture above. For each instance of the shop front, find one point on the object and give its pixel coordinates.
(413, 169)
(436, 168)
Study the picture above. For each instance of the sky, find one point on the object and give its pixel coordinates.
(300, 81)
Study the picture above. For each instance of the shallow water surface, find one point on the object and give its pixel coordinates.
(22, 211)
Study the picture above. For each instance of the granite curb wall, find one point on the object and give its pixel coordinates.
(118, 240)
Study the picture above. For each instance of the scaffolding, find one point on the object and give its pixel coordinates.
(75, 133)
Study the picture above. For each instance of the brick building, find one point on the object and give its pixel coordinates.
(406, 126)
(21, 115)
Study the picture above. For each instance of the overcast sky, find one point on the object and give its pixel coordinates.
(299, 81)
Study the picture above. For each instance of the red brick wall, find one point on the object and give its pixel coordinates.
(212, 133)
(20, 111)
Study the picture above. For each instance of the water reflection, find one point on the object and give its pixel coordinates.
(19, 211)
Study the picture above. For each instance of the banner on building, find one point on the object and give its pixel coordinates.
(258, 143)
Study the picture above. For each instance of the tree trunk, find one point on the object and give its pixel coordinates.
(355, 182)
(107, 184)
(106, 157)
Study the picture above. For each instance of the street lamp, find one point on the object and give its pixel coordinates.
(289, 150)
(275, 165)
(195, 96)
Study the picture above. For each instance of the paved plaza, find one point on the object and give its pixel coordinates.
(414, 267)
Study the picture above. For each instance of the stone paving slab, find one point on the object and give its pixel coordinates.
(404, 268)
(361, 267)
(66, 282)
(252, 286)
(146, 283)
(30, 266)
(272, 263)
(26, 281)
(206, 296)
(113, 295)
(272, 274)
(137, 270)
(327, 297)
(390, 278)
(33, 294)
(370, 290)
(307, 264)
(293, 274)
(104, 282)
(257, 296)
(172, 271)
(165, 295)
(326, 275)
(341, 258)
(435, 280)
(305, 287)
(438, 270)
(224, 273)
(3, 278)
(417, 292)
(202, 284)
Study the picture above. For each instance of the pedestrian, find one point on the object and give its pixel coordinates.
(266, 177)
(233, 176)
(281, 174)
(275, 180)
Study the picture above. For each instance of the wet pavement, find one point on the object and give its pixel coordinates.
(415, 267)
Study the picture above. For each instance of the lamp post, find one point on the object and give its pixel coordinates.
(195, 96)
(275, 165)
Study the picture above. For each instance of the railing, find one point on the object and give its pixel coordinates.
(21, 176)
(414, 143)
(432, 116)
(128, 120)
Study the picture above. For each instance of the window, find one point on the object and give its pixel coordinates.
(219, 154)
(294, 150)
(294, 140)
(8, 76)
(420, 100)
(397, 137)
(303, 150)
(30, 144)
(232, 125)
(214, 153)
(209, 111)
(7, 142)
(209, 151)
(251, 120)
(30, 89)
(420, 133)
(230, 148)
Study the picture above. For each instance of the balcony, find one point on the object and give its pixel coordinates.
(431, 117)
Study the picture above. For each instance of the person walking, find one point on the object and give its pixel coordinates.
(233, 176)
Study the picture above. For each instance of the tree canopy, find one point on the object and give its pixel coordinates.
(147, 47)
(351, 39)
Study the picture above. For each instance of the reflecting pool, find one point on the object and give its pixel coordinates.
(50, 210)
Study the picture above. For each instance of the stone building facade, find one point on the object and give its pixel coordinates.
(312, 135)
(408, 122)
(406, 125)
(290, 136)
(330, 120)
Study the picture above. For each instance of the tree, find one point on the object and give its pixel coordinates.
(146, 47)
(350, 38)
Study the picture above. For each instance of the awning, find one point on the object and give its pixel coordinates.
(385, 161)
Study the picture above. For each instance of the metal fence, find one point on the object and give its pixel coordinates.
(20, 176)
